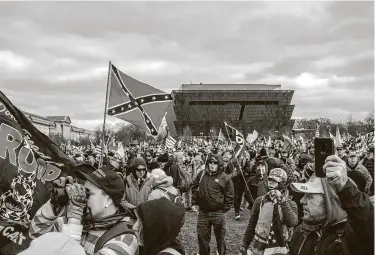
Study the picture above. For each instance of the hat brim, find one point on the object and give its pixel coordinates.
(274, 178)
(87, 177)
(304, 188)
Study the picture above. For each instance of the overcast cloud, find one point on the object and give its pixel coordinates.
(54, 55)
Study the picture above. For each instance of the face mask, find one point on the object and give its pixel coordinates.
(213, 167)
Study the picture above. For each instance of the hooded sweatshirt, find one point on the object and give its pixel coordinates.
(162, 221)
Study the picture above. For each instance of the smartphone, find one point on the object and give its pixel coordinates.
(324, 147)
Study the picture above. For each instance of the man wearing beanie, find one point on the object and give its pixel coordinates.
(90, 210)
(214, 197)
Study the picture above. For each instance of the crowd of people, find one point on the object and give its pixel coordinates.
(136, 204)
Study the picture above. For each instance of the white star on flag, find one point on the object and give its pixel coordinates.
(142, 100)
(113, 111)
(147, 121)
(135, 103)
(166, 97)
(122, 108)
(153, 98)
(129, 106)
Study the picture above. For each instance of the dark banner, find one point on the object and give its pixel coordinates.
(29, 162)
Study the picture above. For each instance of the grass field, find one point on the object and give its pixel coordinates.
(235, 233)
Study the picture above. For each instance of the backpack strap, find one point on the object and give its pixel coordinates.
(341, 236)
(120, 228)
(171, 251)
(170, 195)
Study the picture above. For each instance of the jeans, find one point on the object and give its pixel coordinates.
(204, 225)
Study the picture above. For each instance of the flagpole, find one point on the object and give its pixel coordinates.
(239, 166)
(105, 113)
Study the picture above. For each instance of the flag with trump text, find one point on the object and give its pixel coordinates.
(236, 138)
(136, 102)
(29, 162)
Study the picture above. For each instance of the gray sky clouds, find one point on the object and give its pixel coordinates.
(54, 55)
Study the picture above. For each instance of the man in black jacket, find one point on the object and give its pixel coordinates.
(214, 198)
(338, 217)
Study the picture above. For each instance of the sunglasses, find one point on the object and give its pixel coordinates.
(213, 162)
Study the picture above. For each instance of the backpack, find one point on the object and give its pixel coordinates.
(185, 179)
(177, 199)
(119, 229)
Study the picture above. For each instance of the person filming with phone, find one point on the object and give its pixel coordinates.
(337, 217)
(89, 213)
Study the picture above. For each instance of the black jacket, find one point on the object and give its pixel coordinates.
(215, 192)
(352, 237)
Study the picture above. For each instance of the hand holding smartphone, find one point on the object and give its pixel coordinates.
(324, 147)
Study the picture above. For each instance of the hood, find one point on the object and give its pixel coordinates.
(162, 221)
(264, 163)
(334, 210)
(165, 181)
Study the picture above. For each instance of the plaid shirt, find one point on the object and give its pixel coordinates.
(45, 221)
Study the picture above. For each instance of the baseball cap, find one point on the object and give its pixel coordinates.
(107, 180)
(312, 186)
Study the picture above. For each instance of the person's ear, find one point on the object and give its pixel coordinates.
(108, 201)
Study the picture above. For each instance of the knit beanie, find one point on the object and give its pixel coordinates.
(163, 158)
(138, 162)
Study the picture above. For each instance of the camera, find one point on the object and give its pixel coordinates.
(59, 196)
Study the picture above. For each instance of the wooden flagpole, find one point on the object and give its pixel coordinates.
(105, 113)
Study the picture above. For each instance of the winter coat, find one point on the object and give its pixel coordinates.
(354, 234)
(134, 194)
(216, 192)
(360, 168)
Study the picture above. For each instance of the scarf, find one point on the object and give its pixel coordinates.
(269, 222)
(307, 229)
(103, 223)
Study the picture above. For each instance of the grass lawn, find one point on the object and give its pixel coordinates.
(235, 233)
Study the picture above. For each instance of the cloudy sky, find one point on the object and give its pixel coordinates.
(54, 56)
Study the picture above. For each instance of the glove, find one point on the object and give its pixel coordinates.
(77, 200)
(58, 196)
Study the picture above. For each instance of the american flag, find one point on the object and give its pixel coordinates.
(170, 142)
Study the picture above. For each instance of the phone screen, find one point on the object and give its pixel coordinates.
(324, 147)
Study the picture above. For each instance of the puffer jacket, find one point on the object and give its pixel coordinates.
(165, 182)
(216, 192)
(352, 235)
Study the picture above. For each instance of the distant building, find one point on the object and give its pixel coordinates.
(205, 107)
(59, 125)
